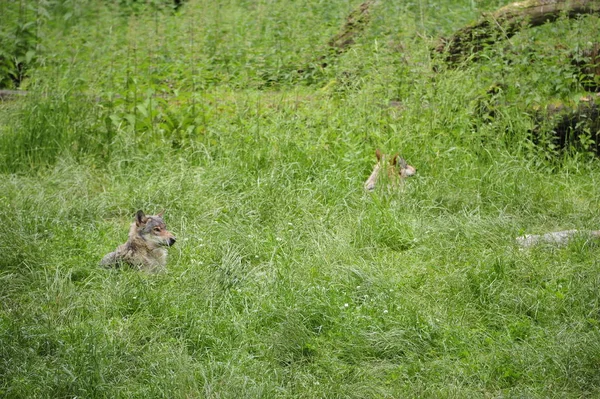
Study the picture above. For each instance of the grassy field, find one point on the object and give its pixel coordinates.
(288, 280)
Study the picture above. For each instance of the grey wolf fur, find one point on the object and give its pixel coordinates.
(396, 170)
(146, 248)
(557, 238)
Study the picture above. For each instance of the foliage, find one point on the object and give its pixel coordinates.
(18, 40)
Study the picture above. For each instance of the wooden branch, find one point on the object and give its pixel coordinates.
(506, 22)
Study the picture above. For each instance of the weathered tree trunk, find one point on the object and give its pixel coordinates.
(506, 22)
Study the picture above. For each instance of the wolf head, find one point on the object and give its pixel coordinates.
(400, 166)
(395, 170)
(153, 230)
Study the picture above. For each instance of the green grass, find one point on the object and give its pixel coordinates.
(287, 280)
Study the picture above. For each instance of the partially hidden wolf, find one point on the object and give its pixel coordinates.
(396, 170)
(146, 248)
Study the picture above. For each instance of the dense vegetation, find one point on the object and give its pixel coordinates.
(288, 280)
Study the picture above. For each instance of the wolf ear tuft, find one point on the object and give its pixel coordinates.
(140, 218)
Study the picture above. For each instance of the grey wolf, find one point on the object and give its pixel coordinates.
(557, 238)
(146, 248)
(396, 170)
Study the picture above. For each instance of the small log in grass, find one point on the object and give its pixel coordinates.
(556, 238)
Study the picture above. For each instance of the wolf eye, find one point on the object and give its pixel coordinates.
(157, 229)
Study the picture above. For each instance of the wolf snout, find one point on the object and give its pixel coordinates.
(171, 241)
(409, 171)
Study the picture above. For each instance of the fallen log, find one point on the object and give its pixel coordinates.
(6, 95)
(506, 22)
(557, 238)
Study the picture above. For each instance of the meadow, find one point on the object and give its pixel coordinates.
(288, 280)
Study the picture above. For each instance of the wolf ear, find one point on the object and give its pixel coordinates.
(161, 213)
(378, 154)
(394, 160)
(403, 163)
(140, 218)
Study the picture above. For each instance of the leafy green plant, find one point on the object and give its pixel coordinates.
(18, 43)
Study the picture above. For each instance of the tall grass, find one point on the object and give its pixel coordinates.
(287, 280)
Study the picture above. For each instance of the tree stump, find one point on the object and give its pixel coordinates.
(561, 126)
